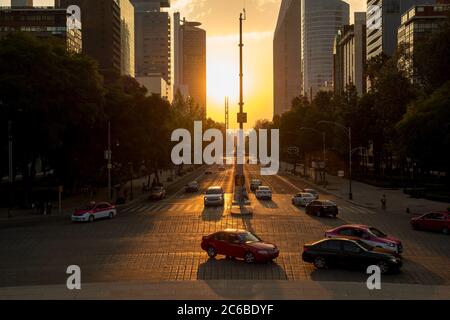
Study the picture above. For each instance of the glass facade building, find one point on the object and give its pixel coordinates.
(321, 19)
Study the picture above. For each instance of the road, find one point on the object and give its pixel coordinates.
(160, 241)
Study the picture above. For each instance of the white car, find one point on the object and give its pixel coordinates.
(214, 196)
(263, 192)
(94, 211)
(313, 192)
(303, 199)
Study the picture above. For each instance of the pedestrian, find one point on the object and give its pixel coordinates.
(383, 202)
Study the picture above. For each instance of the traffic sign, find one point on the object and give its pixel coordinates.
(242, 117)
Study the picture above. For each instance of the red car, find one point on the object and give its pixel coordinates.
(433, 221)
(239, 244)
(369, 235)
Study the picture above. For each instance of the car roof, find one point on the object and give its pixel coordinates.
(329, 239)
(215, 188)
(234, 231)
(264, 187)
(356, 226)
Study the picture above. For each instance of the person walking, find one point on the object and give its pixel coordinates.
(383, 202)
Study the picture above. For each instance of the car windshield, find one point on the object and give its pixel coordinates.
(248, 237)
(378, 233)
(364, 245)
(264, 188)
(157, 188)
(214, 191)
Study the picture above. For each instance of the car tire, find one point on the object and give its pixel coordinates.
(446, 231)
(111, 215)
(91, 218)
(384, 267)
(249, 257)
(320, 263)
(212, 253)
(319, 213)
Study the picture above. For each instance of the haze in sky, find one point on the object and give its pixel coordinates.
(220, 20)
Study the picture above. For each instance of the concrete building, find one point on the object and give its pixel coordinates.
(190, 60)
(21, 3)
(127, 62)
(153, 40)
(321, 19)
(155, 84)
(383, 20)
(43, 23)
(416, 25)
(101, 22)
(287, 75)
(350, 56)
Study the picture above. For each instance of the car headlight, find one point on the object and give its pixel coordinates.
(263, 252)
(392, 245)
(393, 260)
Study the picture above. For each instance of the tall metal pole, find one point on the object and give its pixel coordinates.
(241, 120)
(350, 194)
(10, 165)
(109, 161)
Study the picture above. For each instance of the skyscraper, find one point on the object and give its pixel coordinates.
(127, 48)
(350, 56)
(383, 20)
(153, 40)
(190, 60)
(101, 21)
(287, 77)
(321, 19)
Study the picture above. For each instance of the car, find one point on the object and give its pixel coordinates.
(263, 193)
(222, 168)
(302, 199)
(369, 235)
(192, 187)
(433, 221)
(254, 184)
(94, 211)
(214, 196)
(313, 192)
(321, 208)
(157, 193)
(341, 252)
(239, 244)
(208, 172)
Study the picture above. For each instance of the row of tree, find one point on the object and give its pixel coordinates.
(406, 123)
(58, 106)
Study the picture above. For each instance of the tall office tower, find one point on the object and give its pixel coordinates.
(417, 24)
(383, 20)
(321, 19)
(21, 3)
(190, 60)
(42, 23)
(350, 56)
(101, 22)
(153, 40)
(127, 62)
(287, 76)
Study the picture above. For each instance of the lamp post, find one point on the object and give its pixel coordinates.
(131, 183)
(109, 165)
(10, 166)
(348, 131)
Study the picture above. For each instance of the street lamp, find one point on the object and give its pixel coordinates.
(131, 185)
(348, 131)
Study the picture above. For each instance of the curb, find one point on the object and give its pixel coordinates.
(312, 184)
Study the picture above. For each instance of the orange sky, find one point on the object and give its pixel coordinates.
(220, 20)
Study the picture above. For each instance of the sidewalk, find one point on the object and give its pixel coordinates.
(369, 196)
(69, 204)
(229, 290)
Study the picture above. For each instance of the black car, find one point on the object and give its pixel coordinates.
(348, 253)
(322, 208)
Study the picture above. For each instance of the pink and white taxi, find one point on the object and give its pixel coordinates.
(94, 211)
(370, 235)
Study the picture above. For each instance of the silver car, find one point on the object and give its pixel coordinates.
(214, 196)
